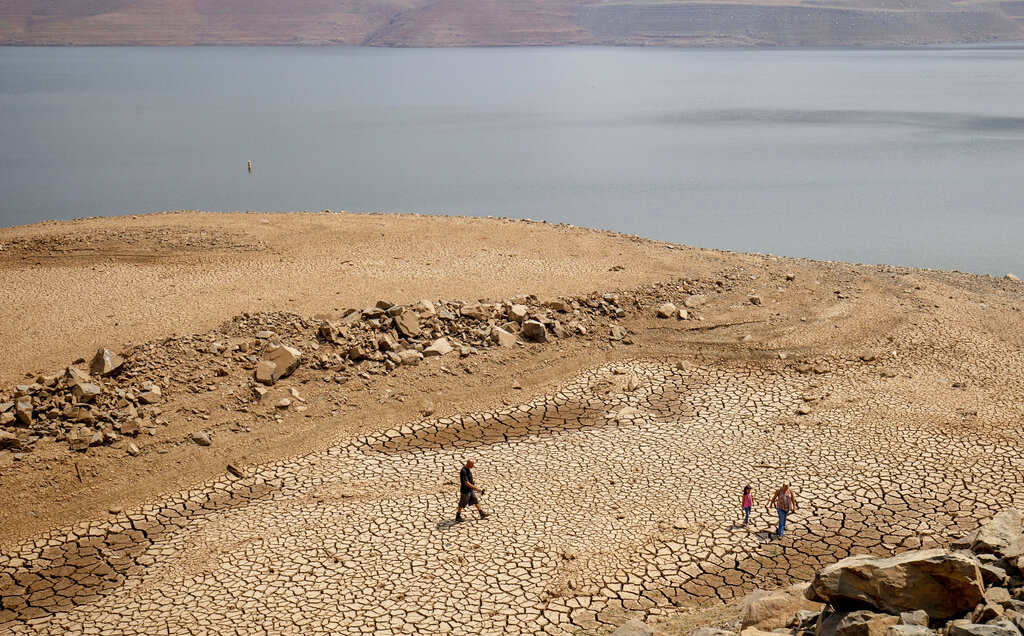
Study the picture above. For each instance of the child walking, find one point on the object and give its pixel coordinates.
(748, 503)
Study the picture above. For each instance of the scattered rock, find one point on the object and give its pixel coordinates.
(668, 310)
(1012, 277)
(201, 437)
(284, 403)
(754, 299)
(695, 300)
(1001, 536)
(134, 450)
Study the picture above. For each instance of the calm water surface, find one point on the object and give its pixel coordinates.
(911, 157)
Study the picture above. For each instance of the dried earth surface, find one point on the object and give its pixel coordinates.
(613, 456)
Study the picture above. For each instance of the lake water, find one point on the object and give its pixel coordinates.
(910, 157)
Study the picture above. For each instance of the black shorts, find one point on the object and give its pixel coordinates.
(468, 499)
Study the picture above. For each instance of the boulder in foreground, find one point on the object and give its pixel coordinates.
(943, 584)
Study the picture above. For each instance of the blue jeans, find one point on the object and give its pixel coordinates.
(746, 515)
(782, 521)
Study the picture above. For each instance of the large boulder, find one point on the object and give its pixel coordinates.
(943, 584)
(105, 363)
(768, 610)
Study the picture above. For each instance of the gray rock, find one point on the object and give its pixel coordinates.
(917, 617)
(711, 631)
(534, 331)
(618, 333)
(668, 310)
(941, 583)
(909, 630)
(998, 628)
(993, 574)
(407, 323)
(410, 357)
(864, 623)
(695, 300)
(201, 437)
(106, 363)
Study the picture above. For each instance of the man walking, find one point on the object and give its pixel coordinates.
(468, 490)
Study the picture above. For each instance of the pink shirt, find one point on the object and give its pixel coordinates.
(748, 500)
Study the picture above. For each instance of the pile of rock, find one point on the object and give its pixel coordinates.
(975, 589)
(121, 394)
(83, 407)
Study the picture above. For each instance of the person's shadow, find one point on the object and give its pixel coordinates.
(446, 525)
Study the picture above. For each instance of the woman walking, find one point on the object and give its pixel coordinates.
(784, 501)
(748, 503)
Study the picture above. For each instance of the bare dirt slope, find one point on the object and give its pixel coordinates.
(519, 22)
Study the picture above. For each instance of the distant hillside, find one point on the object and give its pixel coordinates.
(509, 22)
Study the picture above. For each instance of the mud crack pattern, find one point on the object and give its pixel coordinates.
(617, 495)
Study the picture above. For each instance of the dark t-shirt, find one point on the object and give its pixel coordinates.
(465, 475)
